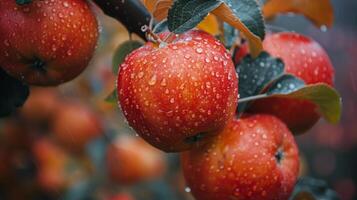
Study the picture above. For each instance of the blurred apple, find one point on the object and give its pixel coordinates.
(75, 125)
(41, 104)
(131, 159)
(51, 160)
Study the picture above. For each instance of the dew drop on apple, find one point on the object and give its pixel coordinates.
(163, 82)
(199, 50)
(152, 81)
(140, 74)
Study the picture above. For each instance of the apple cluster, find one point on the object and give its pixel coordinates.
(181, 96)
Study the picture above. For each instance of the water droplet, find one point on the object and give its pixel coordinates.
(152, 81)
(199, 50)
(187, 189)
(323, 28)
(172, 100)
(163, 82)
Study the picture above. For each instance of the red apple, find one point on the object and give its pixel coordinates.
(240, 52)
(131, 159)
(74, 125)
(306, 59)
(46, 42)
(174, 94)
(252, 158)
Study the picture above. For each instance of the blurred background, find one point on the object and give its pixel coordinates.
(69, 143)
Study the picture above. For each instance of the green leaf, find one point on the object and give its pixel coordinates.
(187, 14)
(13, 94)
(248, 12)
(312, 189)
(322, 95)
(255, 74)
(122, 51)
(285, 84)
(112, 97)
(23, 2)
(325, 97)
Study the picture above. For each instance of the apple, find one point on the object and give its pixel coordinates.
(307, 60)
(51, 161)
(131, 160)
(46, 42)
(253, 158)
(75, 125)
(176, 93)
(240, 52)
(41, 105)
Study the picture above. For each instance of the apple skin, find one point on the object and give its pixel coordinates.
(307, 60)
(131, 160)
(177, 94)
(253, 158)
(75, 125)
(46, 42)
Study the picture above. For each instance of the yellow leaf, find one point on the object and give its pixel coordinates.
(224, 13)
(320, 12)
(158, 8)
(210, 25)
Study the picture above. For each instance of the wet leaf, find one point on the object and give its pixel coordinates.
(319, 12)
(255, 74)
(158, 8)
(285, 84)
(312, 189)
(187, 14)
(325, 97)
(122, 51)
(210, 25)
(244, 15)
(13, 94)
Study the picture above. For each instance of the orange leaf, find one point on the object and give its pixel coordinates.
(224, 13)
(320, 12)
(210, 25)
(158, 8)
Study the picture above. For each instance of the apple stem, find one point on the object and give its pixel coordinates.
(151, 36)
(260, 96)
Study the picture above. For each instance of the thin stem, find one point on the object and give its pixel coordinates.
(260, 96)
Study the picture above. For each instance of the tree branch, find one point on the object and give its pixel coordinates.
(131, 13)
